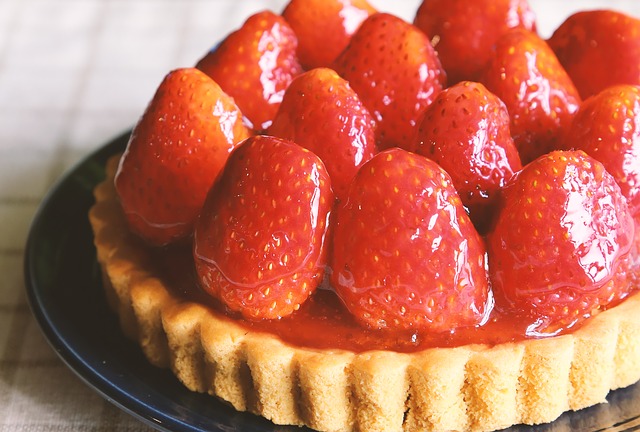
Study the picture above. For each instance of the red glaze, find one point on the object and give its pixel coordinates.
(324, 27)
(175, 152)
(395, 71)
(322, 113)
(464, 32)
(561, 240)
(606, 127)
(254, 65)
(598, 49)
(540, 97)
(322, 322)
(259, 243)
(405, 254)
(466, 131)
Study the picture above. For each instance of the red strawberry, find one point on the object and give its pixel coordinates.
(563, 232)
(466, 131)
(321, 112)
(634, 256)
(539, 94)
(599, 48)
(255, 64)
(324, 27)
(260, 240)
(395, 71)
(607, 127)
(464, 32)
(409, 257)
(175, 153)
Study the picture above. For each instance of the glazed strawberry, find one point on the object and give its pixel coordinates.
(175, 152)
(598, 48)
(466, 131)
(634, 256)
(563, 232)
(464, 32)
(324, 27)
(539, 94)
(254, 65)
(408, 256)
(321, 112)
(395, 71)
(606, 127)
(259, 243)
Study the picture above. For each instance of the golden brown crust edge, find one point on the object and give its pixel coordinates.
(476, 388)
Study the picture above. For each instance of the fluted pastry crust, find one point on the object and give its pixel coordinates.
(473, 387)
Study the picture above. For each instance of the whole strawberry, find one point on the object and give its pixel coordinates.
(598, 48)
(541, 99)
(607, 128)
(254, 65)
(561, 240)
(174, 154)
(406, 256)
(259, 243)
(466, 131)
(322, 113)
(324, 27)
(464, 32)
(395, 71)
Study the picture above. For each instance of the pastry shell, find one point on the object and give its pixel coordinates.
(472, 387)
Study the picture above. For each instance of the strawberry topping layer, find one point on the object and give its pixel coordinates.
(352, 200)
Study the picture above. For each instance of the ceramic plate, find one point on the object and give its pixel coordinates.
(65, 292)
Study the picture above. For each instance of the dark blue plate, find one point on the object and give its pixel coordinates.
(66, 296)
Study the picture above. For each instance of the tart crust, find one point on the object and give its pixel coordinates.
(473, 387)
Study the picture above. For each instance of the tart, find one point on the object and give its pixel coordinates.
(370, 248)
(469, 387)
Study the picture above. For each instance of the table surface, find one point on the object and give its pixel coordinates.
(73, 74)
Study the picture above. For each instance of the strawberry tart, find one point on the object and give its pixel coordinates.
(373, 234)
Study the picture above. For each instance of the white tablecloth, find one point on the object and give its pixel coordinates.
(73, 74)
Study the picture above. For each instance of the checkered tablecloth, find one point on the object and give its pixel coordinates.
(73, 74)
